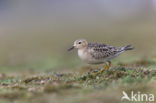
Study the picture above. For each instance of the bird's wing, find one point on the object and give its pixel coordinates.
(100, 51)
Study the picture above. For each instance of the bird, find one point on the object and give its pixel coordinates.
(98, 53)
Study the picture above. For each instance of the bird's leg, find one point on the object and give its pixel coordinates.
(105, 67)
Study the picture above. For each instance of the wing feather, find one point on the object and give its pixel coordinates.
(101, 51)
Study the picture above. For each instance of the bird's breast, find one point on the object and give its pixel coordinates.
(83, 54)
(86, 57)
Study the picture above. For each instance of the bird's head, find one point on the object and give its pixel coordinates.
(79, 44)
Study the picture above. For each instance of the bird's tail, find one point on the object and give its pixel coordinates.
(128, 47)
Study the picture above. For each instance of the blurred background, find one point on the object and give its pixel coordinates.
(39, 32)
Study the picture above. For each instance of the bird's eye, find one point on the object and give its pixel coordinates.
(79, 42)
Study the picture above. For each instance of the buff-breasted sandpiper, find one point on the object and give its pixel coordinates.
(96, 53)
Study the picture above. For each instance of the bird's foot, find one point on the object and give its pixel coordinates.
(96, 72)
(107, 66)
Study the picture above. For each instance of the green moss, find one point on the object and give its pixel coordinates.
(71, 86)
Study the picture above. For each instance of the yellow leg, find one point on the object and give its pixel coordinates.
(105, 67)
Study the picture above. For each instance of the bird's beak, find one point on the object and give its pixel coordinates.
(71, 48)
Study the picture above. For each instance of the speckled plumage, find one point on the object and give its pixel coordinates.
(101, 51)
(96, 53)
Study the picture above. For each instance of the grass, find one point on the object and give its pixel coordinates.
(78, 87)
